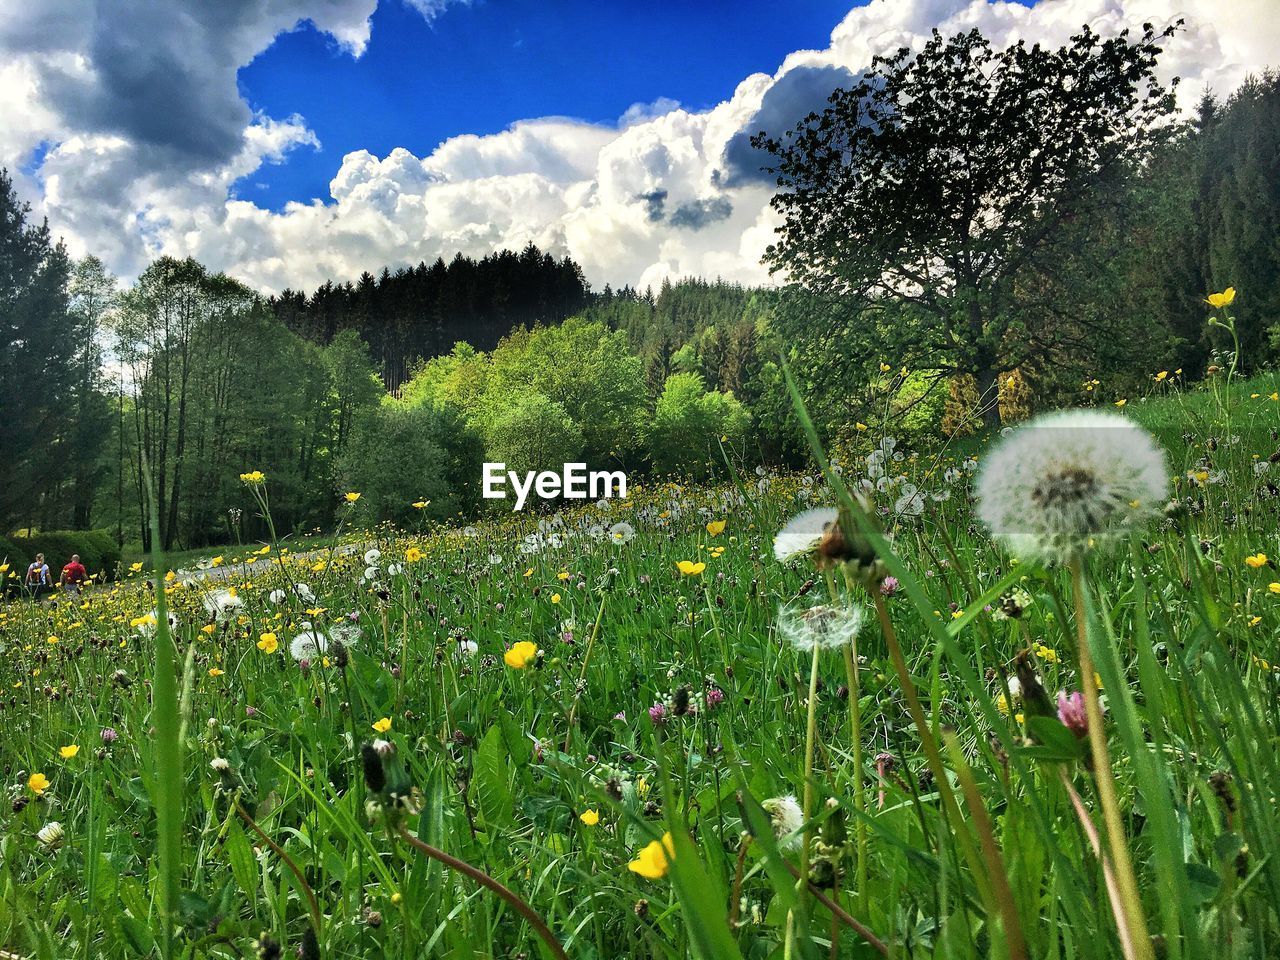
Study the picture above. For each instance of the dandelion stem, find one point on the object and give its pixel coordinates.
(1133, 919)
(582, 674)
(482, 878)
(312, 905)
(933, 756)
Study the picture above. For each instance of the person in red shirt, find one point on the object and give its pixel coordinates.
(74, 575)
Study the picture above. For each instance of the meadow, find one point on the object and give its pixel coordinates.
(628, 729)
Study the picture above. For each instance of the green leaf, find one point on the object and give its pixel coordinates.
(244, 866)
(490, 779)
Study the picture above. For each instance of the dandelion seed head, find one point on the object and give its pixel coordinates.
(1070, 481)
(787, 819)
(802, 534)
(822, 626)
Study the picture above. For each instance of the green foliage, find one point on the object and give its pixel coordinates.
(533, 433)
(689, 422)
(913, 190)
(579, 365)
(98, 550)
(401, 454)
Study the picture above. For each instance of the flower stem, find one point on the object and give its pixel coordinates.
(1133, 918)
(479, 876)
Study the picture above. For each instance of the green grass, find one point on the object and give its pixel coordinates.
(489, 772)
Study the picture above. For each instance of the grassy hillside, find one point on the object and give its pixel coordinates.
(610, 712)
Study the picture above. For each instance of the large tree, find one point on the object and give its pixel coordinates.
(940, 189)
(39, 337)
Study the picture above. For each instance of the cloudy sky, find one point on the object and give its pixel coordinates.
(290, 141)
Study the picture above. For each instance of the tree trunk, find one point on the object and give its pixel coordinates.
(987, 378)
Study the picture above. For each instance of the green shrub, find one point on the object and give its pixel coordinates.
(398, 455)
(534, 433)
(688, 424)
(97, 549)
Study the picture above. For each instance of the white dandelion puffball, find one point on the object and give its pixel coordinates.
(820, 627)
(308, 645)
(802, 534)
(622, 532)
(277, 596)
(222, 605)
(305, 592)
(1070, 481)
(787, 819)
(372, 556)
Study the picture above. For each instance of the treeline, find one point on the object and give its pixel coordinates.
(400, 386)
(423, 311)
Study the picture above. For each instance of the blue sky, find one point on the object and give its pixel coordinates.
(478, 67)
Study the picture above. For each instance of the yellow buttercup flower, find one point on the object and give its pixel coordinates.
(413, 554)
(69, 751)
(691, 569)
(1223, 299)
(1121, 403)
(715, 527)
(655, 859)
(521, 654)
(420, 504)
(254, 478)
(135, 567)
(1256, 561)
(589, 817)
(215, 672)
(860, 427)
(351, 497)
(1274, 587)
(383, 725)
(268, 643)
(555, 598)
(38, 783)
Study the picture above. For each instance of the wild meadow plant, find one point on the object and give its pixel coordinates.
(1015, 698)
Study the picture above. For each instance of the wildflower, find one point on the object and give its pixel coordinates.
(715, 527)
(1072, 713)
(802, 534)
(622, 532)
(372, 556)
(420, 504)
(383, 725)
(1223, 299)
(37, 783)
(521, 654)
(589, 817)
(255, 478)
(555, 598)
(820, 627)
(51, 835)
(223, 605)
(654, 860)
(1274, 587)
(135, 567)
(1047, 654)
(1256, 561)
(889, 586)
(690, 569)
(305, 592)
(277, 596)
(215, 672)
(658, 714)
(1069, 482)
(787, 820)
(109, 735)
(308, 645)
(69, 751)
(351, 497)
(413, 555)
(268, 643)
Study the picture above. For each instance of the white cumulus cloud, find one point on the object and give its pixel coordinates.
(146, 134)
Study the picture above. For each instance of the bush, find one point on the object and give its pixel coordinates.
(398, 455)
(688, 422)
(98, 551)
(534, 433)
